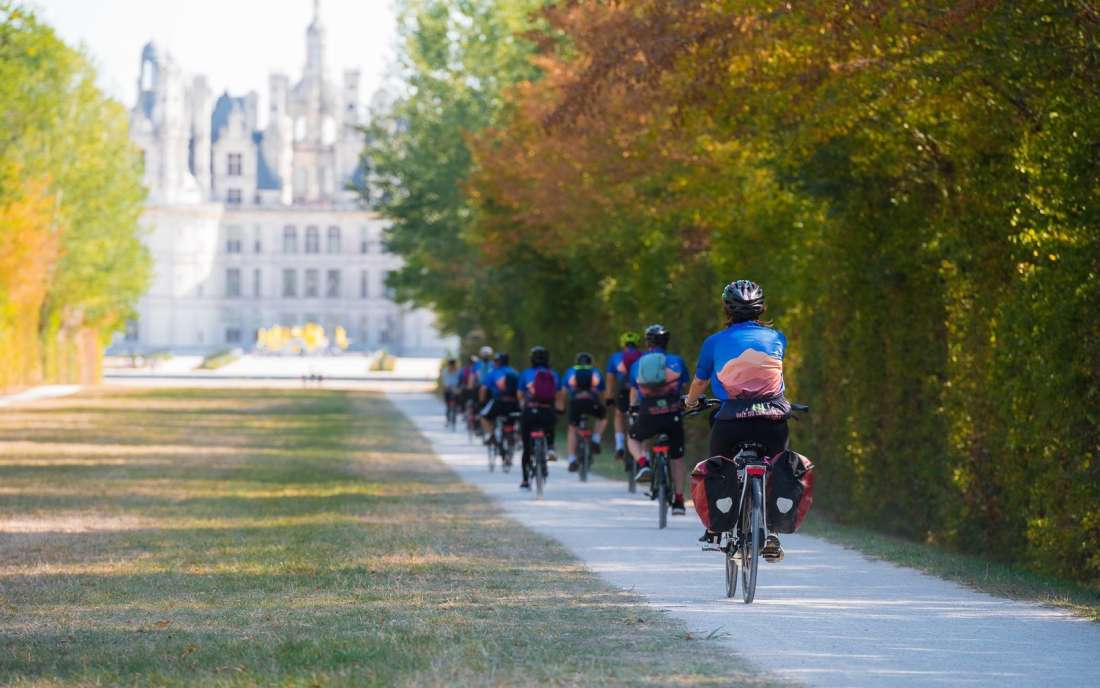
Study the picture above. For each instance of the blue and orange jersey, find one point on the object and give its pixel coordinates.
(675, 376)
(744, 364)
(569, 380)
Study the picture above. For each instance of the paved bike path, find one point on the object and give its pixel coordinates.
(826, 616)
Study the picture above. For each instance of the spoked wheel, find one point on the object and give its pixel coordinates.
(491, 451)
(582, 459)
(631, 469)
(662, 493)
(539, 466)
(733, 566)
(506, 455)
(752, 542)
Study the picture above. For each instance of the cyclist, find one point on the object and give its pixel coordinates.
(467, 393)
(582, 386)
(451, 378)
(501, 392)
(482, 366)
(618, 387)
(657, 380)
(539, 386)
(743, 365)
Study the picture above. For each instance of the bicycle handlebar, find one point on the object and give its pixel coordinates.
(705, 403)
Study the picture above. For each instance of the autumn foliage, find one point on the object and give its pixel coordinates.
(914, 183)
(71, 264)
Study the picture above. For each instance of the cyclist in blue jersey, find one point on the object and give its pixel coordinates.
(539, 387)
(655, 392)
(500, 391)
(743, 366)
(618, 387)
(582, 388)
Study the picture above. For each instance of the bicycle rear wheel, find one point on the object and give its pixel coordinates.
(491, 450)
(582, 459)
(752, 542)
(631, 468)
(538, 456)
(661, 476)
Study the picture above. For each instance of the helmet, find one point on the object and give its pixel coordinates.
(486, 352)
(501, 359)
(540, 356)
(584, 359)
(657, 335)
(451, 362)
(743, 300)
(630, 339)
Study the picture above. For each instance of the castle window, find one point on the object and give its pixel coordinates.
(332, 284)
(233, 240)
(233, 197)
(364, 284)
(232, 335)
(290, 239)
(364, 240)
(333, 240)
(257, 283)
(313, 240)
(290, 283)
(313, 286)
(132, 332)
(233, 282)
(235, 165)
(258, 244)
(387, 290)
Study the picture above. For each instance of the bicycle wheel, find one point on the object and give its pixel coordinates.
(490, 449)
(752, 541)
(506, 453)
(631, 469)
(733, 566)
(582, 460)
(539, 461)
(661, 476)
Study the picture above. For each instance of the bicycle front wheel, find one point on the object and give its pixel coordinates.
(753, 541)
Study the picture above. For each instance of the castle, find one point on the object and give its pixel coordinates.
(253, 224)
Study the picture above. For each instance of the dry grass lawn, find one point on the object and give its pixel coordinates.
(225, 538)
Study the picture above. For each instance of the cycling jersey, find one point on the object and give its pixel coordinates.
(451, 378)
(569, 381)
(675, 372)
(617, 364)
(527, 381)
(496, 380)
(744, 364)
(482, 370)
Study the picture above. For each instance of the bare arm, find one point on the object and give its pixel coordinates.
(697, 389)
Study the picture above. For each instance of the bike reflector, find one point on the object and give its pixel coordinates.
(756, 470)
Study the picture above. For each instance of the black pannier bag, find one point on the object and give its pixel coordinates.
(716, 493)
(790, 491)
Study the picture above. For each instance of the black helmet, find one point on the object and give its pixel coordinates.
(584, 359)
(540, 356)
(657, 335)
(501, 359)
(743, 300)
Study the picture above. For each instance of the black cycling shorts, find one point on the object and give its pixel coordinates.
(586, 404)
(727, 435)
(646, 426)
(622, 399)
(499, 407)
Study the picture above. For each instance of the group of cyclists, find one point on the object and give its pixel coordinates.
(647, 390)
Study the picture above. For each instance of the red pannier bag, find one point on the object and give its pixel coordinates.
(716, 493)
(790, 491)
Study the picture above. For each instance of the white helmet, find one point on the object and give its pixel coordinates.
(486, 353)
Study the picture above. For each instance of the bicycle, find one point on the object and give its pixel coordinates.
(584, 448)
(660, 489)
(473, 422)
(631, 469)
(452, 409)
(504, 438)
(743, 543)
(538, 460)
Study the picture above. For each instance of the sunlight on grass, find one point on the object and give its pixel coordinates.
(229, 538)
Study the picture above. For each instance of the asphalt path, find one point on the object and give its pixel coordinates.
(825, 616)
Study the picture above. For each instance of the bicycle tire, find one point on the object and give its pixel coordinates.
(491, 451)
(750, 557)
(733, 571)
(631, 469)
(507, 453)
(662, 491)
(582, 458)
(539, 461)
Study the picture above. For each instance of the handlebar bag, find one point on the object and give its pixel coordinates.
(790, 491)
(716, 493)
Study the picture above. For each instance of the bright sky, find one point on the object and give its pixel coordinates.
(235, 43)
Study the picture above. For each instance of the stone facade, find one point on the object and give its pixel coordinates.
(252, 225)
